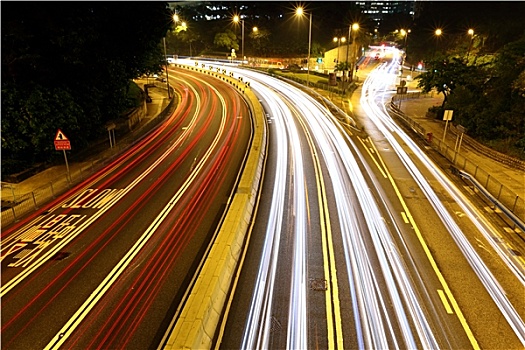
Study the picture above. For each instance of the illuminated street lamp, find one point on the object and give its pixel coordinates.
(405, 34)
(237, 19)
(351, 30)
(184, 27)
(339, 40)
(437, 33)
(471, 33)
(299, 12)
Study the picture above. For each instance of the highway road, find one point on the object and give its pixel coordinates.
(342, 250)
(360, 239)
(106, 264)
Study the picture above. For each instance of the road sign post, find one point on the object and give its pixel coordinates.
(446, 116)
(62, 144)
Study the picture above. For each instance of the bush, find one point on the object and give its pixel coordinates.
(436, 112)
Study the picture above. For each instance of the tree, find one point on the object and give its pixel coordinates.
(69, 66)
(226, 39)
(487, 98)
(445, 75)
(260, 41)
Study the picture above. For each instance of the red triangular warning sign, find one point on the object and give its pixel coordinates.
(60, 136)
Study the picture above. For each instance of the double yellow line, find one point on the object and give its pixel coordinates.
(333, 309)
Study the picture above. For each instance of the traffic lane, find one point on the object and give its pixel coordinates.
(417, 260)
(116, 179)
(409, 191)
(477, 305)
(110, 255)
(234, 326)
(97, 182)
(118, 326)
(117, 331)
(289, 248)
(382, 316)
(499, 233)
(279, 329)
(373, 247)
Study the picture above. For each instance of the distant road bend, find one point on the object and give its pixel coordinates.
(333, 219)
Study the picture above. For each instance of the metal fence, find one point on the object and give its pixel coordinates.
(508, 197)
(21, 204)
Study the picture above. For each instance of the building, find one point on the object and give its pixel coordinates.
(376, 10)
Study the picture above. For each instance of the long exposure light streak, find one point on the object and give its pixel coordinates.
(110, 279)
(375, 328)
(379, 80)
(385, 248)
(371, 314)
(259, 317)
(45, 257)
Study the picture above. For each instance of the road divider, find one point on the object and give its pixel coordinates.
(196, 325)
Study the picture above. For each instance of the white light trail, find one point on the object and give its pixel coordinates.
(375, 328)
(380, 80)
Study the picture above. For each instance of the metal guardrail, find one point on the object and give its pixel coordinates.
(504, 195)
(491, 198)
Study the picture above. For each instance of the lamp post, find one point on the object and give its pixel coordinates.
(351, 29)
(339, 40)
(175, 20)
(237, 19)
(405, 34)
(471, 33)
(437, 33)
(166, 64)
(300, 12)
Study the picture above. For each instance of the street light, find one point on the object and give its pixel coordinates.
(471, 33)
(351, 30)
(299, 12)
(339, 40)
(175, 20)
(405, 34)
(437, 33)
(237, 19)
(166, 64)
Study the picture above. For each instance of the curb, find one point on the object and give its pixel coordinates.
(199, 319)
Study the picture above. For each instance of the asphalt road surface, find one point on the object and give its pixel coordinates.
(106, 264)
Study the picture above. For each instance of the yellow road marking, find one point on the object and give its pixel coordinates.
(405, 219)
(445, 302)
(371, 156)
(430, 258)
(333, 311)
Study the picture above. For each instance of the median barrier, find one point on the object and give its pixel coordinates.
(198, 321)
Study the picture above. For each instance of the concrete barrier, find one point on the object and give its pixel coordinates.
(199, 319)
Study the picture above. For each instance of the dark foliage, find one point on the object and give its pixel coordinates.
(487, 98)
(68, 65)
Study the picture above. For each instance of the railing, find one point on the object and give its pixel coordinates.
(506, 196)
(411, 95)
(19, 205)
